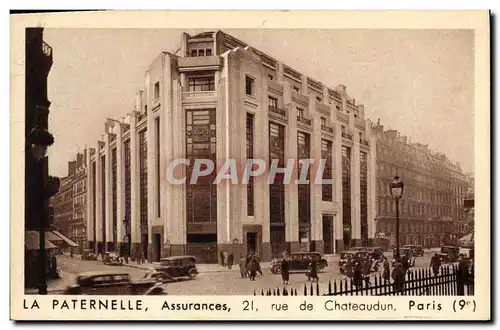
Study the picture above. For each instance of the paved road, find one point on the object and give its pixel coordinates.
(212, 283)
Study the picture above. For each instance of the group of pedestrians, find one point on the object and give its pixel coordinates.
(227, 259)
(250, 266)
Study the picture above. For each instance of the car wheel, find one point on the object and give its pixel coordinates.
(192, 274)
(277, 270)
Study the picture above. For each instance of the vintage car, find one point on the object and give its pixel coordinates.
(359, 255)
(173, 268)
(416, 250)
(299, 262)
(113, 283)
(409, 254)
(112, 259)
(88, 254)
(449, 254)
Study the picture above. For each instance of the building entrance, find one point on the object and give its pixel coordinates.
(157, 247)
(328, 234)
(251, 243)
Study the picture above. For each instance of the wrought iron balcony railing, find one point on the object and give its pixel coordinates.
(327, 128)
(277, 110)
(304, 120)
(346, 136)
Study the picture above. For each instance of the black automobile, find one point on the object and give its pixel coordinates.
(173, 268)
(113, 283)
(409, 254)
(112, 259)
(299, 262)
(376, 252)
(88, 254)
(449, 254)
(416, 250)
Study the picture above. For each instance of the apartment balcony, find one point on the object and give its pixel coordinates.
(304, 120)
(278, 111)
(347, 136)
(200, 63)
(327, 129)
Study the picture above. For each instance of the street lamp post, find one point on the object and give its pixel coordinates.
(39, 140)
(396, 188)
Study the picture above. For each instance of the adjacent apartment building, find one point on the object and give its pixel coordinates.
(432, 207)
(221, 99)
(70, 203)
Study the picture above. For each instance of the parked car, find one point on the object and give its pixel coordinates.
(88, 254)
(416, 250)
(406, 252)
(113, 283)
(376, 252)
(449, 254)
(112, 259)
(299, 261)
(173, 268)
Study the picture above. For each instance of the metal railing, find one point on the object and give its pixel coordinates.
(277, 110)
(304, 120)
(327, 128)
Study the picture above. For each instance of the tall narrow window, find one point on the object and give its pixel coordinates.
(103, 198)
(157, 90)
(249, 85)
(143, 181)
(127, 185)
(113, 193)
(326, 153)
(323, 121)
(194, 52)
(300, 113)
(250, 191)
(208, 52)
(201, 198)
(363, 184)
(276, 190)
(304, 191)
(273, 102)
(158, 156)
(201, 52)
(346, 194)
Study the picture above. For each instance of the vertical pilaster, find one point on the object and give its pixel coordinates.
(372, 182)
(355, 187)
(176, 193)
(108, 191)
(135, 225)
(120, 185)
(338, 228)
(151, 163)
(316, 189)
(98, 196)
(90, 201)
(291, 189)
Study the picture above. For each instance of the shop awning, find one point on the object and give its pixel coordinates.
(64, 238)
(32, 241)
(468, 238)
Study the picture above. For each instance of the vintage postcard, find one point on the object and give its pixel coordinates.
(250, 165)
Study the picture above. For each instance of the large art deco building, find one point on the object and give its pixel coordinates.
(221, 99)
(431, 209)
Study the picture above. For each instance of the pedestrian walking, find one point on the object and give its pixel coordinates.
(243, 267)
(225, 255)
(257, 261)
(435, 264)
(398, 276)
(387, 271)
(349, 268)
(285, 270)
(252, 266)
(405, 263)
(463, 275)
(358, 274)
(313, 271)
(230, 260)
(221, 255)
(367, 265)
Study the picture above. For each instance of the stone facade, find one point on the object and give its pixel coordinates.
(218, 82)
(432, 206)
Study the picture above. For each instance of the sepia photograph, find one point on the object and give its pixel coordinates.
(244, 161)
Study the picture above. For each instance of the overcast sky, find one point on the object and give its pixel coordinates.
(420, 82)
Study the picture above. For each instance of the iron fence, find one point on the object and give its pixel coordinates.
(419, 282)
